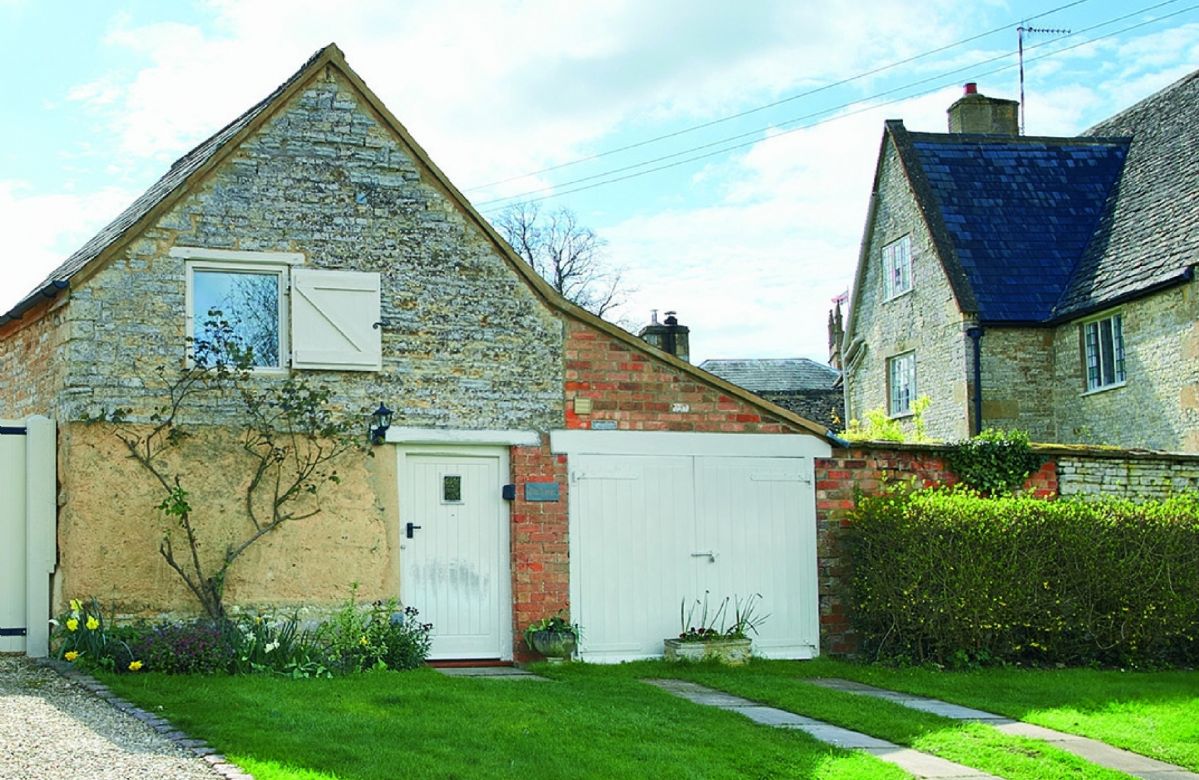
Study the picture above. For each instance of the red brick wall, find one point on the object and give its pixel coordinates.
(540, 560)
(641, 393)
(30, 368)
(864, 470)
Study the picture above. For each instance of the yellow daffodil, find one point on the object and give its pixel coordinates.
(75, 605)
(362, 641)
(71, 655)
(72, 624)
(135, 665)
(92, 623)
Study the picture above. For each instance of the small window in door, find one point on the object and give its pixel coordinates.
(451, 489)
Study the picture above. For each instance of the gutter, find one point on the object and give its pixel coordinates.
(975, 333)
(50, 290)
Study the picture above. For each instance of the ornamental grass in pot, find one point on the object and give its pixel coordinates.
(709, 635)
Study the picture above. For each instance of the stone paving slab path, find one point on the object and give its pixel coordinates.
(1092, 750)
(921, 765)
(491, 673)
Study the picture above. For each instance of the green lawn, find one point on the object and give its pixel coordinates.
(384, 725)
(599, 721)
(781, 684)
(1152, 713)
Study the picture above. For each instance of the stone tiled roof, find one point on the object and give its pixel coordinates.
(1017, 213)
(1035, 230)
(774, 375)
(184, 167)
(1150, 235)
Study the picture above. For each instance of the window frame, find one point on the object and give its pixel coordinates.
(890, 292)
(1117, 348)
(892, 362)
(278, 264)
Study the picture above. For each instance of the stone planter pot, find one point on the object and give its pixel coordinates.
(734, 652)
(557, 646)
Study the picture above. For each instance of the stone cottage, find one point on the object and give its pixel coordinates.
(1038, 283)
(539, 459)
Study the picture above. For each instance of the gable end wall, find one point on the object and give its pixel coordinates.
(466, 342)
(926, 320)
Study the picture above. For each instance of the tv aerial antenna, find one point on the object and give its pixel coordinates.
(1021, 31)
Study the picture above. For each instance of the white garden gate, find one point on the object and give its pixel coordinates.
(27, 533)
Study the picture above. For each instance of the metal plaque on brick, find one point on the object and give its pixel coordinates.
(541, 491)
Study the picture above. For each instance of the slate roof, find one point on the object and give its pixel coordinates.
(774, 375)
(1039, 230)
(1019, 212)
(1150, 234)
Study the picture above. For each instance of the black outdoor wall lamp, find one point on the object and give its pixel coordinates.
(380, 422)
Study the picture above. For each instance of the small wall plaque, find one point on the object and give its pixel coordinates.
(603, 425)
(541, 491)
(677, 408)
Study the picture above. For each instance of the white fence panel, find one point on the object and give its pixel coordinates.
(27, 533)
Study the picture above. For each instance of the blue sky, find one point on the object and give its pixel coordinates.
(749, 244)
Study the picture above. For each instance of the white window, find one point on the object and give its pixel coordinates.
(1103, 344)
(286, 316)
(897, 268)
(901, 383)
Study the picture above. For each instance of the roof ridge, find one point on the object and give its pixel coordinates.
(1141, 104)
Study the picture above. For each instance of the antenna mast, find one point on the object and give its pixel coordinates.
(1020, 50)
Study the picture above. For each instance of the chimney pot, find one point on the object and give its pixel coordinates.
(971, 88)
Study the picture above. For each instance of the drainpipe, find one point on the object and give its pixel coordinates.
(975, 332)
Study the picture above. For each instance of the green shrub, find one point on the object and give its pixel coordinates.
(880, 426)
(945, 575)
(381, 636)
(995, 461)
(194, 647)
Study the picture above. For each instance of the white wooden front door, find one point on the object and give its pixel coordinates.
(13, 623)
(648, 532)
(454, 549)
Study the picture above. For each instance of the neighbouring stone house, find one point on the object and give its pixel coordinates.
(1037, 283)
(539, 459)
(810, 389)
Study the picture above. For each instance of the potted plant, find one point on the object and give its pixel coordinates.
(709, 636)
(554, 638)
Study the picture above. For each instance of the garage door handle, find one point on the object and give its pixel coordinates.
(410, 528)
(711, 556)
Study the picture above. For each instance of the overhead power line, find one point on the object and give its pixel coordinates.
(776, 103)
(728, 144)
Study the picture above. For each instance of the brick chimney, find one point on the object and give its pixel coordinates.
(668, 335)
(975, 113)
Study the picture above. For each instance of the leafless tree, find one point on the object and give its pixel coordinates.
(568, 255)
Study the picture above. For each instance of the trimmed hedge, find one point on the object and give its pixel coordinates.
(945, 575)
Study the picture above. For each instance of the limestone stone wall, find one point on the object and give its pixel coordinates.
(1158, 406)
(926, 320)
(466, 342)
(31, 361)
(1139, 477)
(1017, 380)
(109, 529)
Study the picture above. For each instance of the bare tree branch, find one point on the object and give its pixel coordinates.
(570, 256)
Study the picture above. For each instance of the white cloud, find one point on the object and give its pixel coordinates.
(42, 230)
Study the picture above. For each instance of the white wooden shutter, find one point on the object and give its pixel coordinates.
(333, 316)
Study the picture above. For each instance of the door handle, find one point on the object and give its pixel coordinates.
(410, 528)
(710, 555)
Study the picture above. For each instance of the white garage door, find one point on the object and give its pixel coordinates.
(662, 518)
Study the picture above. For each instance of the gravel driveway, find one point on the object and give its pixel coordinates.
(50, 729)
